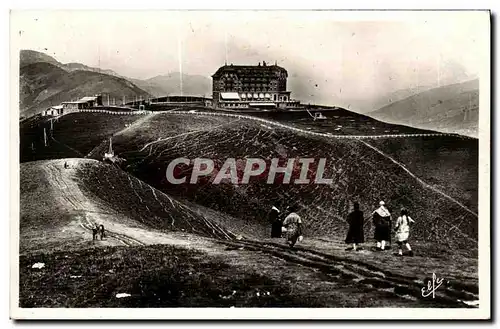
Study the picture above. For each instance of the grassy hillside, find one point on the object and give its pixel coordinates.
(358, 172)
(158, 276)
(446, 163)
(166, 276)
(74, 135)
(452, 108)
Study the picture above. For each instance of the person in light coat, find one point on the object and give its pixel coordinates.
(382, 223)
(402, 228)
(292, 226)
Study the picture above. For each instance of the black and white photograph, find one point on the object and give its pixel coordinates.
(250, 164)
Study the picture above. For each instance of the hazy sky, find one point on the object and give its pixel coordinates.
(346, 56)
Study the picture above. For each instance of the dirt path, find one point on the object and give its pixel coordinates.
(89, 213)
(358, 271)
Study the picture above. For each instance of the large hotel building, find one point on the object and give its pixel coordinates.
(244, 86)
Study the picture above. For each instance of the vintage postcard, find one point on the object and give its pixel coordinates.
(250, 164)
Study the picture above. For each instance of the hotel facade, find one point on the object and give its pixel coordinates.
(258, 86)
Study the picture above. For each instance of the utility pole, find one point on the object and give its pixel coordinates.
(45, 136)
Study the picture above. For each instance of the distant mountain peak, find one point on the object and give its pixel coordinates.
(28, 56)
(452, 108)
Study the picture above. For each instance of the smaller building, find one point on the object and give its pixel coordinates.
(177, 101)
(53, 111)
(83, 103)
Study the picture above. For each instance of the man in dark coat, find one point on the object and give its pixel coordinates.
(355, 235)
(274, 218)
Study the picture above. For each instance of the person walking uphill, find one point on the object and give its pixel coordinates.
(355, 235)
(274, 218)
(293, 227)
(403, 231)
(382, 222)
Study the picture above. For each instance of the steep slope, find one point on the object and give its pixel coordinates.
(35, 81)
(43, 85)
(27, 57)
(360, 171)
(453, 108)
(170, 84)
(65, 203)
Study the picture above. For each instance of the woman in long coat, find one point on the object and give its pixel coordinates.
(355, 235)
(293, 227)
(382, 222)
(274, 218)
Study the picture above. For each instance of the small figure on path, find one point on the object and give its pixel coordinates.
(402, 229)
(355, 234)
(95, 232)
(101, 231)
(382, 222)
(292, 225)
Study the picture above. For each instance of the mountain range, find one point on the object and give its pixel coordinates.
(45, 82)
(170, 84)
